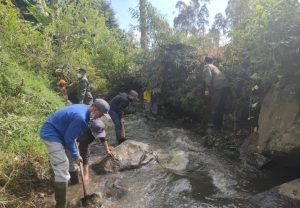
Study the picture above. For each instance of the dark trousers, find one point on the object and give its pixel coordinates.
(117, 122)
(218, 105)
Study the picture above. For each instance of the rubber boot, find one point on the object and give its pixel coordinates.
(74, 177)
(61, 194)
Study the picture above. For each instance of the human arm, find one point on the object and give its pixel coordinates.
(74, 130)
(106, 147)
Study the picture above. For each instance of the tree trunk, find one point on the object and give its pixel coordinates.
(143, 25)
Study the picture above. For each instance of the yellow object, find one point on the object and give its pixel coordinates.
(147, 96)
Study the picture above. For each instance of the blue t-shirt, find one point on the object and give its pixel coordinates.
(65, 125)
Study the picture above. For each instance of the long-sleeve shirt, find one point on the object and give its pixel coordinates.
(84, 92)
(119, 103)
(65, 125)
(214, 78)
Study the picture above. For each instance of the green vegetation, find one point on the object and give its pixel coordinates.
(261, 49)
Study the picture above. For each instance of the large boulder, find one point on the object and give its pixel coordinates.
(283, 196)
(249, 154)
(129, 155)
(279, 126)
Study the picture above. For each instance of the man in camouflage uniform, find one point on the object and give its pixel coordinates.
(84, 93)
(217, 88)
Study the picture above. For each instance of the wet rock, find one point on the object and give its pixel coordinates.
(279, 126)
(91, 201)
(129, 155)
(115, 190)
(248, 153)
(283, 196)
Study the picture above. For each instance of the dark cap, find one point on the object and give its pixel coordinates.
(134, 94)
(102, 106)
(82, 70)
(97, 128)
(208, 59)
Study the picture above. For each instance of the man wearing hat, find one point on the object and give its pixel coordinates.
(59, 133)
(96, 130)
(117, 107)
(217, 88)
(84, 92)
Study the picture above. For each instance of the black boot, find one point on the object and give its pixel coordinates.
(61, 194)
(74, 177)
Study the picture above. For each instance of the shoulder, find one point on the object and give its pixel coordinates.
(84, 80)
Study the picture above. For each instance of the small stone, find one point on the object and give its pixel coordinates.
(41, 195)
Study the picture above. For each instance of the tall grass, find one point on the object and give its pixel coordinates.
(26, 100)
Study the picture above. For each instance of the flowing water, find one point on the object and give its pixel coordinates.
(187, 174)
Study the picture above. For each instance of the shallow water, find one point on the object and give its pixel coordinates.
(186, 174)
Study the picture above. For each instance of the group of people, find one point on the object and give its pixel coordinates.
(150, 102)
(83, 91)
(68, 132)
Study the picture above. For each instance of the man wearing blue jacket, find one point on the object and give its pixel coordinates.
(59, 133)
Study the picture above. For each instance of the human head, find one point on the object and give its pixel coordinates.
(62, 82)
(208, 60)
(97, 128)
(81, 72)
(133, 96)
(99, 108)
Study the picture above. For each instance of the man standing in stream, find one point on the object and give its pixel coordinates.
(117, 107)
(59, 133)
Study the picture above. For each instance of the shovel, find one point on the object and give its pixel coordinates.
(123, 136)
(88, 198)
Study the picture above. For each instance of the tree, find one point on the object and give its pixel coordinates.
(238, 12)
(143, 24)
(218, 28)
(153, 26)
(203, 19)
(192, 18)
(108, 13)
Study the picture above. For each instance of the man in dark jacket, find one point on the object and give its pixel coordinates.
(59, 133)
(216, 87)
(84, 92)
(117, 107)
(96, 130)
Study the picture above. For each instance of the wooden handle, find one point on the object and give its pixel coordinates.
(81, 173)
(123, 130)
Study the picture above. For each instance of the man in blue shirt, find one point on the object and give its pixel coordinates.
(59, 133)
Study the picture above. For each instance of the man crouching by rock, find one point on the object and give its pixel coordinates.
(59, 133)
(96, 130)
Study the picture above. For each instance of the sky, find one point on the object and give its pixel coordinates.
(165, 7)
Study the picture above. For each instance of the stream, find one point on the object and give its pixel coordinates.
(186, 173)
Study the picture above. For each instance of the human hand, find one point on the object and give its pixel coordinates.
(78, 160)
(122, 121)
(110, 153)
